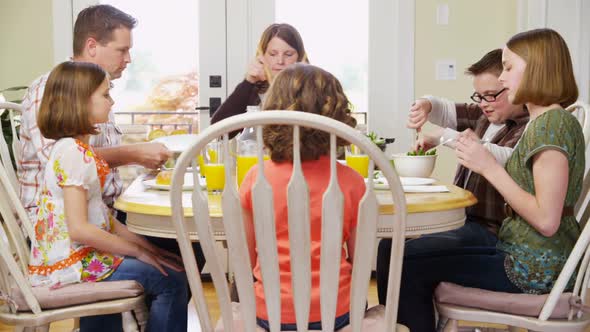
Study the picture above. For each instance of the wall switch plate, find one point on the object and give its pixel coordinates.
(442, 14)
(215, 81)
(445, 70)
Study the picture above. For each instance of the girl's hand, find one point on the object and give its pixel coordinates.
(256, 71)
(474, 155)
(165, 257)
(171, 264)
(148, 258)
(419, 113)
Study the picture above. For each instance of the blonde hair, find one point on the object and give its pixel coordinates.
(64, 107)
(306, 88)
(549, 76)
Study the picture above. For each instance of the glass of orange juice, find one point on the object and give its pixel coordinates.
(213, 167)
(357, 160)
(246, 158)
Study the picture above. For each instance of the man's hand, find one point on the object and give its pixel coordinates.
(151, 155)
(419, 114)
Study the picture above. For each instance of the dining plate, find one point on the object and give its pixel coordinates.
(188, 183)
(380, 183)
(410, 181)
(426, 189)
(177, 143)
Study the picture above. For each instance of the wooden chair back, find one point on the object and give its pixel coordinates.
(299, 234)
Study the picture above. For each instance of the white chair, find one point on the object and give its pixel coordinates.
(581, 111)
(11, 108)
(298, 203)
(556, 311)
(34, 308)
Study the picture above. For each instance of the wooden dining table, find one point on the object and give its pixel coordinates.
(149, 213)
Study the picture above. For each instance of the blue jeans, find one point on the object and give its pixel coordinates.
(167, 298)
(472, 234)
(339, 322)
(479, 267)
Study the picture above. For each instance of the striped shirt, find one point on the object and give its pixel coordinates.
(36, 148)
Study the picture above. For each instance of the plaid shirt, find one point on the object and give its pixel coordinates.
(36, 149)
(489, 209)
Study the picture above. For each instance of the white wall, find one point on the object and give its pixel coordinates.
(474, 28)
(570, 19)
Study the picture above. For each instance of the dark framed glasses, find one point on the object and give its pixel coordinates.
(476, 97)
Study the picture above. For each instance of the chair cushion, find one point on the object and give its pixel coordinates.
(81, 293)
(374, 321)
(517, 304)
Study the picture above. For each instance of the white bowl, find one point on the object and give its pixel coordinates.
(413, 166)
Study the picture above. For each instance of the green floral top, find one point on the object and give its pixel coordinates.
(534, 261)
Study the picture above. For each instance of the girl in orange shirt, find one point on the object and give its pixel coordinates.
(304, 88)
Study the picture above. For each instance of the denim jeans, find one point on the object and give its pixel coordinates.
(339, 322)
(472, 234)
(479, 267)
(168, 244)
(168, 297)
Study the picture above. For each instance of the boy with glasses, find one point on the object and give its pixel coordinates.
(492, 119)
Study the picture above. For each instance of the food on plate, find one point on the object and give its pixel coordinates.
(156, 133)
(164, 178)
(170, 163)
(179, 132)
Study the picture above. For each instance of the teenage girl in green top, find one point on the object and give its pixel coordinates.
(540, 183)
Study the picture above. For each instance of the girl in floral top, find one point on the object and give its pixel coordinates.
(541, 183)
(76, 238)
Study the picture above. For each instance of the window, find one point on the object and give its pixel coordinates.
(162, 76)
(339, 45)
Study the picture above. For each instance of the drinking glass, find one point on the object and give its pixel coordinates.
(213, 167)
(357, 160)
(246, 158)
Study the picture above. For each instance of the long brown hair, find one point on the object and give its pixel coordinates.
(549, 76)
(305, 88)
(289, 35)
(64, 107)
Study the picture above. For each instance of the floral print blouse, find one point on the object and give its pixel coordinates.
(55, 258)
(534, 261)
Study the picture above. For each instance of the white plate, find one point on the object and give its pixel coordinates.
(177, 143)
(426, 189)
(409, 181)
(188, 183)
(379, 183)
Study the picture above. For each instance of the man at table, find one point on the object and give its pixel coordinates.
(492, 119)
(102, 35)
(109, 48)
